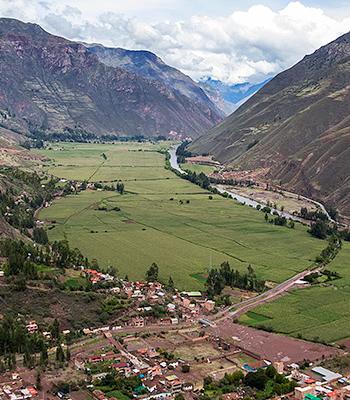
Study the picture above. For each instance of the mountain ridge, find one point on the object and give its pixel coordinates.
(297, 127)
(49, 83)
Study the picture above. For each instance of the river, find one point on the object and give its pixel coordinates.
(238, 197)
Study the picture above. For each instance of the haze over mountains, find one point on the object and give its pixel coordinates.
(229, 97)
(296, 129)
(48, 83)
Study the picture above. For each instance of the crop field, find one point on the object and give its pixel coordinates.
(197, 168)
(165, 219)
(320, 312)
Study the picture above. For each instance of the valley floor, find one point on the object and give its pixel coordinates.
(165, 219)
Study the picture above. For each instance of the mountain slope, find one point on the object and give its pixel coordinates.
(297, 127)
(48, 83)
(150, 66)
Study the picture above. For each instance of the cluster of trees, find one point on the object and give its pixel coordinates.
(229, 383)
(78, 134)
(330, 252)
(233, 182)
(226, 276)
(279, 220)
(321, 229)
(313, 277)
(152, 273)
(182, 152)
(119, 187)
(24, 257)
(313, 215)
(113, 381)
(262, 384)
(14, 339)
(20, 212)
(268, 383)
(199, 179)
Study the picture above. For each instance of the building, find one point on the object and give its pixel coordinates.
(311, 397)
(279, 366)
(326, 375)
(209, 305)
(32, 327)
(301, 392)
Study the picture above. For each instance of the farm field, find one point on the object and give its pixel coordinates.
(198, 168)
(165, 219)
(320, 312)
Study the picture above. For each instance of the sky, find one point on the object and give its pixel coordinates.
(230, 40)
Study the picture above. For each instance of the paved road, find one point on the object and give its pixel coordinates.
(262, 298)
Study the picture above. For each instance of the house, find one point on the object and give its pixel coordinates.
(209, 305)
(150, 385)
(138, 322)
(171, 307)
(301, 392)
(174, 383)
(99, 395)
(32, 327)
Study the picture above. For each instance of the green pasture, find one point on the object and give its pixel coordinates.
(198, 168)
(320, 312)
(168, 220)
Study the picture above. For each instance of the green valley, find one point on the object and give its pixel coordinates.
(164, 219)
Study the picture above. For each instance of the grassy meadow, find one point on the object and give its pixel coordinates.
(198, 168)
(164, 219)
(320, 312)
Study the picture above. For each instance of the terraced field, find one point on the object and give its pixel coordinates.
(320, 312)
(165, 219)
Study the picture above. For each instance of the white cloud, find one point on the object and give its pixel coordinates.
(245, 45)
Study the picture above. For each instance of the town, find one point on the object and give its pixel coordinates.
(172, 344)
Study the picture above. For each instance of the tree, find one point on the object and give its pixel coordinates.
(40, 236)
(256, 379)
(60, 357)
(68, 354)
(171, 285)
(44, 357)
(152, 273)
(319, 229)
(38, 380)
(185, 368)
(55, 329)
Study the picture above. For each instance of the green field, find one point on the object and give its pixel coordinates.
(165, 219)
(319, 312)
(198, 168)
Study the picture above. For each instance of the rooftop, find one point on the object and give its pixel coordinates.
(326, 374)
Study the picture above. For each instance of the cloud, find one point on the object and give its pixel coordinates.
(244, 45)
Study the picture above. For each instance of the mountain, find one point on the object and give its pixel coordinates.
(150, 66)
(296, 129)
(228, 97)
(48, 83)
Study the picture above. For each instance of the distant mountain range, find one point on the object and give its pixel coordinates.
(228, 97)
(296, 129)
(50, 84)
